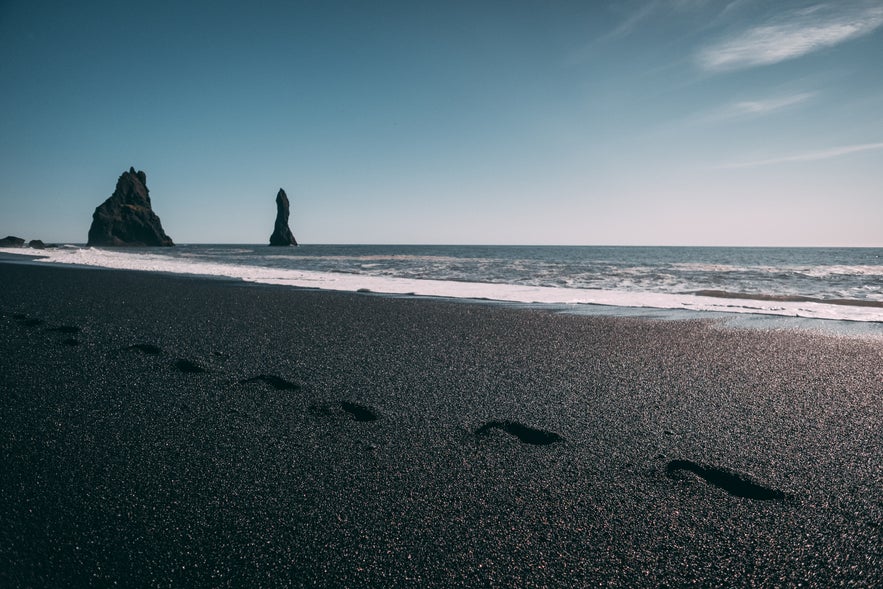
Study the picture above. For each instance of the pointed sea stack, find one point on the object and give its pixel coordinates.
(126, 218)
(281, 232)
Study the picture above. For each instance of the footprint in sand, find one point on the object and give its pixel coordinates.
(353, 411)
(274, 381)
(29, 321)
(734, 483)
(145, 349)
(67, 329)
(526, 434)
(188, 366)
(359, 412)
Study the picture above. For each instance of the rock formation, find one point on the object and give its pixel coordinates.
(12, 241)
(37, 244)
(126, 218)
(281, 232)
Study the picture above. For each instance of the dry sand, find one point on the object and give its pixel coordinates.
(166, 431)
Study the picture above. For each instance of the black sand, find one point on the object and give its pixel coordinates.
(164, 431)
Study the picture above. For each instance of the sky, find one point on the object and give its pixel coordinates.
(656, 122)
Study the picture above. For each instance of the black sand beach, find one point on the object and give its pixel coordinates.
(166, 431)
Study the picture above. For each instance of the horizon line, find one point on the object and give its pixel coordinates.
(55, 244)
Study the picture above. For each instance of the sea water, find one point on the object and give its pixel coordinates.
(841, 284)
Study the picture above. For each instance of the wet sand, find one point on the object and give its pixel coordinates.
(168, 431)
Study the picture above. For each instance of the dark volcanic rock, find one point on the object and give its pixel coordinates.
(12, 241)
(282, 233)
(36, 244)
(126, 218)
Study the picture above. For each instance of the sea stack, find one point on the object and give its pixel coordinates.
(281, 232)
(126, 217)
(12, 241)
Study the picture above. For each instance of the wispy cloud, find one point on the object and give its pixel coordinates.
(623, 29)
(749, 109)
(792, 35)
(808, 156)
(762, 107)
(648, 12)
(631, 22)
(752, 108)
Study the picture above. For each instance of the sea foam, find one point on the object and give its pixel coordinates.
(185, 264)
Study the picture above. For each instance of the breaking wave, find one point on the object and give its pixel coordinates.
(842, 284)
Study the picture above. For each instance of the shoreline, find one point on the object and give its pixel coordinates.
(162, 429)
(726, 310)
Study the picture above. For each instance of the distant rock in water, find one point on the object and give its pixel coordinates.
(12, 241)
(37, 244)
(126, 218)
(282, 233)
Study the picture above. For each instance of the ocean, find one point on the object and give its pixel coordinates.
(839, 284)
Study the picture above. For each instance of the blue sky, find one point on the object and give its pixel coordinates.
(660, 122)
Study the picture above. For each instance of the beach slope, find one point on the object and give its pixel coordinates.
(161, 430)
